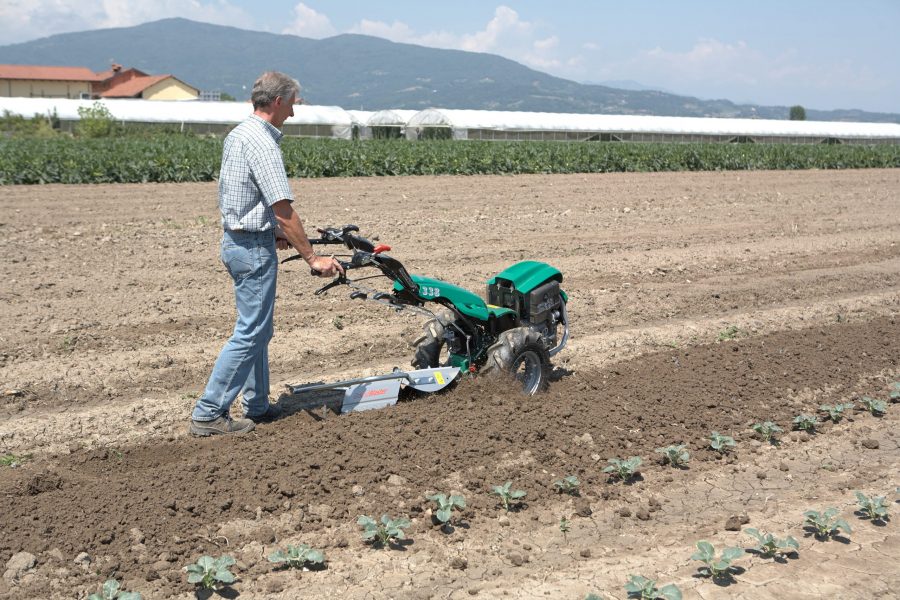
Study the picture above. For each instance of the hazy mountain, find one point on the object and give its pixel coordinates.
(356, 71)
(627, 84)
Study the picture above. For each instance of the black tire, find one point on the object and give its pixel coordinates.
(520, 352)
(431, 344)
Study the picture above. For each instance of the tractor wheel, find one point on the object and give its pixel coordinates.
(431, 347)
(520, 352)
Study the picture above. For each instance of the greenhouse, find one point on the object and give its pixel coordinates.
(360, 120)
(503, 125)
(193, 116)
(388, 124)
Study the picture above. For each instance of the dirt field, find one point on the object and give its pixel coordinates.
(698, 302)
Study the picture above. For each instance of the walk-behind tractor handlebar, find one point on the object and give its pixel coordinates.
(517, 330)
(365, 254)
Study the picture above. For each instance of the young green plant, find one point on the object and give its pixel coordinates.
(564, 527)
(11, 460)
(721, 443)
(507, 495)
(768, 545)
(825, 524)
(676, 456)
(643, 588)
(623, 469)
(384, 532)
(836, 412)
(895, 392)
(767, 430)
(805, 422)
(297, 557)
(873, 405)
(874, 508)
(716, 568)
(567, 485)
(211, 573)
(445, 506)
(112, 590)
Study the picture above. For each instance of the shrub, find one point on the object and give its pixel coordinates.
(95, 121)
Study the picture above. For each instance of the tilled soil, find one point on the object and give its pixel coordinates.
(698, 302)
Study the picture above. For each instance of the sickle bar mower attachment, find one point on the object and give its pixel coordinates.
(377, 391)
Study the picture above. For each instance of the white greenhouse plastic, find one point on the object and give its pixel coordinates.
(391, 118)
(360, 122)
(324, 121)
(462, 122)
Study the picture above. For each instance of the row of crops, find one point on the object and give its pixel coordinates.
(176, 158)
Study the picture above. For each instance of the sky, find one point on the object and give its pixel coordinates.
(823, 54)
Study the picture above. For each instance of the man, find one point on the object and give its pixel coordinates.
(255, 202)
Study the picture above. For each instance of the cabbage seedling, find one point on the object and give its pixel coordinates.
(805, 422)
(721, 443)
(836, 412)
(623, 469)
(645, 589)
(716, 567)
(767, 430)
(297, 557)
(676, 456)
(382, 533)
(446, 505)
(11, 460)
(825, 524)
(768, 545)
(873, 405)
(112, 591)
(895, 391)
(211, 573)
(564, 527)
(569, 485)
(874, 507)
(507, 495)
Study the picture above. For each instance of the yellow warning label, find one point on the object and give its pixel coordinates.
(438, 377)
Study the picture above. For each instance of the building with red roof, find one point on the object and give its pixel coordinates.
(35, 81)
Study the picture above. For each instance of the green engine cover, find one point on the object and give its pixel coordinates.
(465, 301)
(527, 275)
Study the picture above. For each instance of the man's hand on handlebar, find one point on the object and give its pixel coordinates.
(325, 266)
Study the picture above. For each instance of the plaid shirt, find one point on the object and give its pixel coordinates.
(252, 177)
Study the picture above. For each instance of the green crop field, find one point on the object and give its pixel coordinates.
(174, 158)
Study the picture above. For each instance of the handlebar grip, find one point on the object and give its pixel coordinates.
(315, 272)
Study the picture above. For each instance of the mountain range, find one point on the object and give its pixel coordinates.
(369, 73)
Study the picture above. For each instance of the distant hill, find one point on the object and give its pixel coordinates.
(363, 72)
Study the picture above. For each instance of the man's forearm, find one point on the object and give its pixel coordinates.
(292, 228)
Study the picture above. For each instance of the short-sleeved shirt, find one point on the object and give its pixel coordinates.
(252, 177)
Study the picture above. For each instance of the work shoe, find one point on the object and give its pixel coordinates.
(222, 425)
(273, 413)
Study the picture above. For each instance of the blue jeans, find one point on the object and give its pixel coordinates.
(243, 364)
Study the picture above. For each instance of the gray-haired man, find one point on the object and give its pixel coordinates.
(257, 216)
